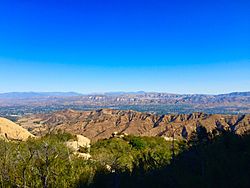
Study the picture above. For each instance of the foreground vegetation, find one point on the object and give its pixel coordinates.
(127, 162)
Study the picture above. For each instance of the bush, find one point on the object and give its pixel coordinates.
(137, 143)
(126, 162)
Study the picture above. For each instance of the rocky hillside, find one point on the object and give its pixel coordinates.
(11, 131)
(103, 123)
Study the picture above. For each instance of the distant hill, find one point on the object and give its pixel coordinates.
(235, 94)
(24, 95)
(102, 123)
(124, 93)
(131, 98)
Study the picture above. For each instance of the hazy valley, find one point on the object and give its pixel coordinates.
(15, 105)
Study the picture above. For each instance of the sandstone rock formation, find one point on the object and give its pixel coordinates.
(80, 147)
(81, 141)
(11, 131)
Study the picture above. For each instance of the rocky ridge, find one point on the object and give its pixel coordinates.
(101, 124)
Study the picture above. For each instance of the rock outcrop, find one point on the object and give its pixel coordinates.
(80, 142)
(80, 147)
(11, 131)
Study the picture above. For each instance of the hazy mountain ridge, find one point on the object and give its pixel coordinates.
(102, 123)
(120, 98)
(24, 95)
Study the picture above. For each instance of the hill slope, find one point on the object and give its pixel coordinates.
(100, 124)
(12, 131)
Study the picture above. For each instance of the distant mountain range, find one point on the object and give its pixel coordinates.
(24, 95)
(236, 102)
(21, 95)
(139, 97)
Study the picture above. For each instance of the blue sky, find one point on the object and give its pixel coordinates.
(127, 45)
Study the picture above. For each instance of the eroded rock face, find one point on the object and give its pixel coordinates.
(102, 123)
(11, 131)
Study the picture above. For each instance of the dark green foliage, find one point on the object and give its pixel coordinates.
(60, 136)
(44, 162)
(123, 154)
(222, 162)
(137, 143)
(128, 162)
(135, 157)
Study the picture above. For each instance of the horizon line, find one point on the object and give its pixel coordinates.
(122, 92)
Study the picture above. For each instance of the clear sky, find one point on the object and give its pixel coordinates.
(125, 45)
